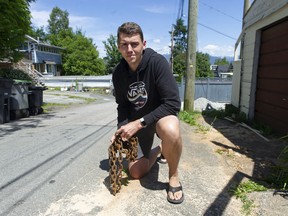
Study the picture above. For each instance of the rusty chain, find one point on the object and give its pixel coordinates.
(117, 150)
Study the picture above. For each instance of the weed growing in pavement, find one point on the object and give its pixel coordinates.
(220, 151)
(241, 192)
(279, 178)
(191, 119)
(225, 151)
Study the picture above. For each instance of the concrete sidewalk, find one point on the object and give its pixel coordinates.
(206, 179)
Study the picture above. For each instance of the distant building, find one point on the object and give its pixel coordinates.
(222, 71)
(42, 57)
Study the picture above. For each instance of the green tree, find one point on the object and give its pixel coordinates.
(15, 21)
(221, 61)
(113, 56)
(203, 65)
(180, 34)
(58, 25)
(179, 64)
(38, 32)
(80, 56)
(179, 48)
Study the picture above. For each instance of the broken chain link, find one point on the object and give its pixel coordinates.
(117, 150)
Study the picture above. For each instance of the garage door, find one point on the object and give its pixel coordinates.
(271, 105)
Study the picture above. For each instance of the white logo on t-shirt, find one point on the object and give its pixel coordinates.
(137, 94)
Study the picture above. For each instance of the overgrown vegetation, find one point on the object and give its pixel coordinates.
(241, 192)
(14, 74)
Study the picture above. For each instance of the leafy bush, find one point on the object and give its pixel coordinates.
(14, 74)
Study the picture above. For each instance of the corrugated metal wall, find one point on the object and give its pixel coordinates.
(213, 89)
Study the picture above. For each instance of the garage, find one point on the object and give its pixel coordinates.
(271, 99)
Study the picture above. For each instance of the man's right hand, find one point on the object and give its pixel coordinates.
(128, 130)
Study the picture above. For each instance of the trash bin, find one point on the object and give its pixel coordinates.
(4, 108)
(80, 87)
(5, 91)
(35, 98)
(19, 106)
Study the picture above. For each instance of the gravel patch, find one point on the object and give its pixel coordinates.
(202, 104)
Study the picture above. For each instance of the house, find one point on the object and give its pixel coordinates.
(222, 71)
(260, 79)
(42, 57)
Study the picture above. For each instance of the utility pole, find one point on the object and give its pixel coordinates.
(191, 56)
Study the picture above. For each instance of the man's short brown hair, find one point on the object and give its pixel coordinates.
(130, 28)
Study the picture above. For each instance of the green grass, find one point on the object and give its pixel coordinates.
(241, 192)
(47, 106)
(88, 100)
(189, 117)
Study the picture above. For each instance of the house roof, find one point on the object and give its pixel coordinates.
(223, 68)
(33, 40)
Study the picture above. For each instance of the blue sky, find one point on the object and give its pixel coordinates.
(219, 21)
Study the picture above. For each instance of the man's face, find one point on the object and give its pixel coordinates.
(131, 48)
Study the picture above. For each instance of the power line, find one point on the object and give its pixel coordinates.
(217, 31)
(180, 9)
(212, 8)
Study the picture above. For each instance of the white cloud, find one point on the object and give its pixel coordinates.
(163, 50)
(82, 22)
(215, 50)
(156, 9)
(40, 18)
(98, 39)
(160, 48)
(157, 41)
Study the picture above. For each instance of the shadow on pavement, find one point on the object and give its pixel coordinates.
(246, 143)
(19, 124)
(219, 205)
(151, 182)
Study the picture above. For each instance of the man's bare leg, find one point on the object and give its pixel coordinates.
(168, 129)
(142, 166)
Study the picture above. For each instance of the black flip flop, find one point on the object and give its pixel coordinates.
(174, 190)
